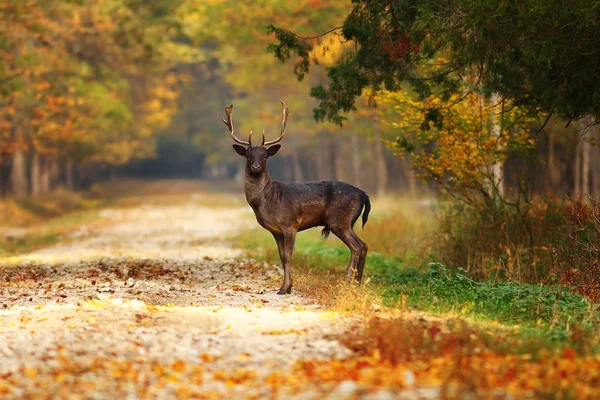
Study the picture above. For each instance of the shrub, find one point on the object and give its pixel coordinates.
(541, 241)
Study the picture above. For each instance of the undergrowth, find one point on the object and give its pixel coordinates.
(536, 241)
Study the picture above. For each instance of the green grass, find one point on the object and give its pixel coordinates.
(541, 316)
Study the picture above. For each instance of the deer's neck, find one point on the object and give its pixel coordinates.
(259, 188)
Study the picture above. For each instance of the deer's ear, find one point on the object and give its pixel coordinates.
(271, 151)
(241, 150)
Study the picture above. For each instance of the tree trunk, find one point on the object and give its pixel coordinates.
(319, 163)
(323, 162)
(45, 175)
(54, 173)
(354, 141)
(586, 155)
(380, 165)
(553, 173)
(596, 164)
(496, 131)
(69, 174)
(337, 152)
(35, 174)
(297, 167)
(582, 158)
(411, 177)
(5, 170)
(18, 176)
(577, 170)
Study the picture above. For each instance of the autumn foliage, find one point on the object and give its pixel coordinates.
(82, 82)
(457, 141)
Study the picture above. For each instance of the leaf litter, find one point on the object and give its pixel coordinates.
(91, 318)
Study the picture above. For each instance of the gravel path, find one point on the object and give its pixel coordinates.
(152, 302)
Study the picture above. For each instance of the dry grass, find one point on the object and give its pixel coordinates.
(336, 294)
(549, 241)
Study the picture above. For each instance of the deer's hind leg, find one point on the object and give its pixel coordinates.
(357, 250)
(362, 256)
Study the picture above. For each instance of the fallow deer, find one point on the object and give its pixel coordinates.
(286, 208)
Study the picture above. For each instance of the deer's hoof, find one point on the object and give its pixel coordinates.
(285, 291)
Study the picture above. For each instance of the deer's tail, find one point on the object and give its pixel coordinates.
(367, 205)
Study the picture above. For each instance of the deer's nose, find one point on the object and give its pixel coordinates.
(255, 167)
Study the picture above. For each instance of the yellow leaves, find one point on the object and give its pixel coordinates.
(238, 376)
(515, 375)
(96, 303)
(30, 372)
(475, 136)
(5, 389)
(285, 332)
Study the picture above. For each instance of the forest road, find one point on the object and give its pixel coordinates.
(152, 302)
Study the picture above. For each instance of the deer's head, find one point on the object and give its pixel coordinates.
(256, 156)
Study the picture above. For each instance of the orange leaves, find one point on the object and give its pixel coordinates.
(238, 376)
(395, 355)
(70, 374)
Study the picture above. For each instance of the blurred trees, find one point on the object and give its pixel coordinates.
(93, 88)
(236, 69)
(82, 82)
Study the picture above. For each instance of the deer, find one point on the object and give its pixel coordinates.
(284, 209)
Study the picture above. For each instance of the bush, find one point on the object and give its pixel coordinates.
(541, 241)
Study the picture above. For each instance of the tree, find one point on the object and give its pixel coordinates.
(84, 81)
(534, 53)
(464, 153)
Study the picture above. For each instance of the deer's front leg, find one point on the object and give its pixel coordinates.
(285, 244)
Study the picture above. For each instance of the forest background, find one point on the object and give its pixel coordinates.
(412, 100)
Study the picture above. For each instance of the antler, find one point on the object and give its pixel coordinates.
(229, 124)
(285, 112)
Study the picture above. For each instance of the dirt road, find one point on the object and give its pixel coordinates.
(151, 301)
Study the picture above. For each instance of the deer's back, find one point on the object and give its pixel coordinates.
(318, 203)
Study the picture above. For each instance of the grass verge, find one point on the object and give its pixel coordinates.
(402, 276)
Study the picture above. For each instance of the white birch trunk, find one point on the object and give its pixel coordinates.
(380, 165)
